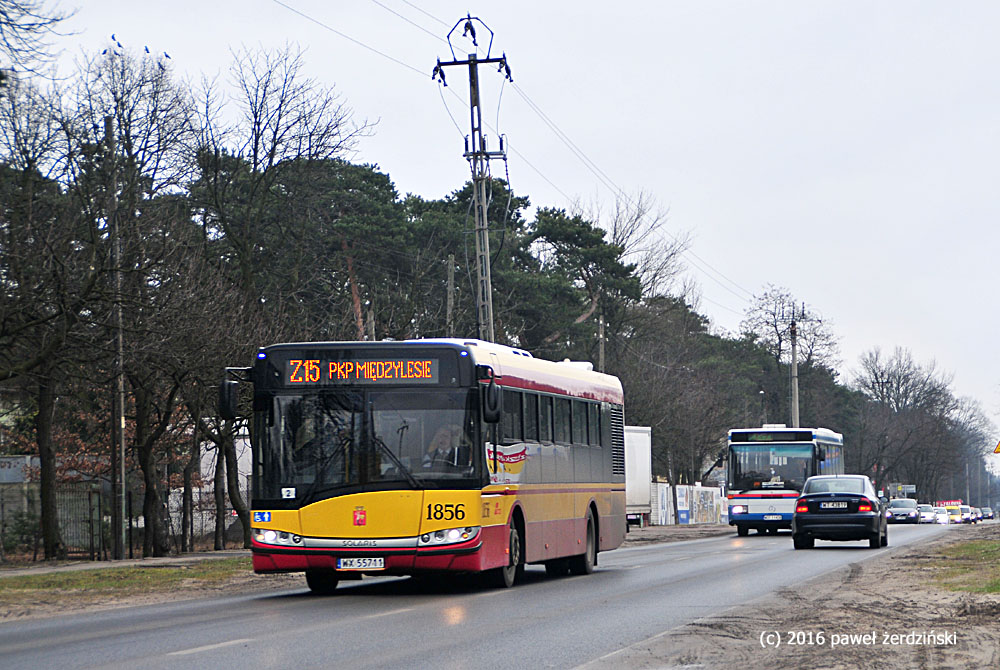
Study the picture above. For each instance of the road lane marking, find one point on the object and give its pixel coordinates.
(389, 613)
(209, 647)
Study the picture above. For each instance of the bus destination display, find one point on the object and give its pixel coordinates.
(306, 371)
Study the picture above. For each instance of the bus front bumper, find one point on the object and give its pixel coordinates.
(475, 555)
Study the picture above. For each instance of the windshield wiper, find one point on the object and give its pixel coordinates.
(377, 441)
(403, 470)
(305, 498)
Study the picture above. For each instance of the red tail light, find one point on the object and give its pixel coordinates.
(865, 506)
(802, 507)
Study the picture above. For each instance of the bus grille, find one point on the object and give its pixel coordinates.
(617, 440)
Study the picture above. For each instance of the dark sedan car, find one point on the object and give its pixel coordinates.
(904, 510)
(839, 507)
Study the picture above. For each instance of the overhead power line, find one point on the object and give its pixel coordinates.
(706, 268)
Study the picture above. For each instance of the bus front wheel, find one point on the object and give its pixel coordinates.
(321, 582)
(509, 575)
(742, 531)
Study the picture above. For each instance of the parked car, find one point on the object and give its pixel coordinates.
(927, 514)
(904, 510)
(940, 515)
(839, 508)
(987, 512)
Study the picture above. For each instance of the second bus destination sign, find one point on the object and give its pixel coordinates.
(396, 371)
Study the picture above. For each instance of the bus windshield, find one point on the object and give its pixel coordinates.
(769, 466)
(317, 442)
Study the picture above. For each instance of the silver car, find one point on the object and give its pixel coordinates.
(927, 514)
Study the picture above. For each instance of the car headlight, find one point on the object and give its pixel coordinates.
(913, 513)
(739, 509)
(449, 536)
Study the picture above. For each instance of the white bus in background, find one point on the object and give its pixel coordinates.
(766, 468)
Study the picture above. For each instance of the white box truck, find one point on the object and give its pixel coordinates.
(638, 474)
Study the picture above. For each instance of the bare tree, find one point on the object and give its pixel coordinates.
(25, 29)
(283, 117)
(49, 268)
(639, 228)
(904, 427)
(769, 320)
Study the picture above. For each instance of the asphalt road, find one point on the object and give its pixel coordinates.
(636, 593)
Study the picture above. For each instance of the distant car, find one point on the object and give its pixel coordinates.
(987, 512)
(966, 514)
(903, 510)
(954, 513)
(977, 515)
(927, 514)
(839, 508)
(940, 515)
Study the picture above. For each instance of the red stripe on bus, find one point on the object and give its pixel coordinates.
(514, 492)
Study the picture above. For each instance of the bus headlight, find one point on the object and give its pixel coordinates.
(449, 536)
(739, 509)
(277, 537)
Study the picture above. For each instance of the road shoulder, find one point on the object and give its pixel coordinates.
(873, 600)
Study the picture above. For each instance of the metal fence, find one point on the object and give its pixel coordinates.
(85, 526)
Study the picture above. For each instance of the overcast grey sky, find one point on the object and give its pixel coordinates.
(846, 151)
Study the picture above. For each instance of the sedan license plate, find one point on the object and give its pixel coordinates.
(833, 505)
(376, 563)
(772, 517)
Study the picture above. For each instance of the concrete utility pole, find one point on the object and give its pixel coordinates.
(478, 158)
(450, 312)
(118, 425)
(600, 342)
(795, 376)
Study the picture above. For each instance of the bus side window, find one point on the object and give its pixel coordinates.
(531, 416)
(605, 425)
(545, 418)
(561, 420)
(579, 422)
(511, 416)
(593, 424)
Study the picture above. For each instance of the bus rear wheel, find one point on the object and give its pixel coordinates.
(585, 562)
(321, 582)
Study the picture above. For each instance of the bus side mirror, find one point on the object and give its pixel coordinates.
(821, 455)
(490, 394)
(228, 399)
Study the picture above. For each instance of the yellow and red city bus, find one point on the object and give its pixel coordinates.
(425, 456)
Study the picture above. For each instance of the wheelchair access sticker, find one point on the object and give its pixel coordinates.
(261, 517)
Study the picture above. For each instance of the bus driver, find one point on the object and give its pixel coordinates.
(441, 447)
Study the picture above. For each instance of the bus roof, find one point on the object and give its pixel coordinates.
(781, 433)
(513, 367)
